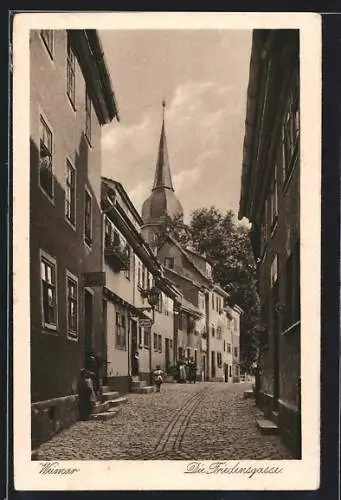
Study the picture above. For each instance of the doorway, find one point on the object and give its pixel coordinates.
(167, 355)
(276, 360)
(213, 364)
(105, 343)
(134, 349)
(88, 321)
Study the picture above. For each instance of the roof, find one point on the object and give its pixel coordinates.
(124, 194)
(188, 257)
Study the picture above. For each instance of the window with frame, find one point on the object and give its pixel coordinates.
(88, 218)
(169, 262)
(217, 303)
(47, 37)
(274, 271)
(292, 287)
(140, 336)
(291, 128)
(147, 337)
(213, 331)
(128, 270)
(72, 307)
(219, 333)
(121, 342)
(159, 343)
(71, 74)
(188, 352)
(224, 345)
(170, 343)
(70, 193)
(229, 347)
(49, 292)
(159, 305)
(139, 274)
(230, 371)
(143, 277)
(274, 199)
(235, 352)
(45, 158)
(219, 360)
(155, 342)
(213, 301)
(88, 116)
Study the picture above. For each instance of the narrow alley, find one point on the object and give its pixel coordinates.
(203, 421)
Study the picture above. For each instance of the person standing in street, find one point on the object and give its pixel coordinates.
(158, 378)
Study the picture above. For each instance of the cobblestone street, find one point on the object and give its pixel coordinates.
(205, 421)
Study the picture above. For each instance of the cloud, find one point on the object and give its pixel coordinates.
(203, 123)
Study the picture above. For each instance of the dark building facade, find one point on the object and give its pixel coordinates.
(270, 199)
(71, 97)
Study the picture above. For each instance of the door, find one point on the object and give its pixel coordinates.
(105, 343)
(276, 346)
(134, 349)
(167, 355)
(88, 321)
(213, 363)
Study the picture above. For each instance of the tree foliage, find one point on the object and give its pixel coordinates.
(226, 245)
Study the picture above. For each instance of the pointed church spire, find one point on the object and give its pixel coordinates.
(163, 178)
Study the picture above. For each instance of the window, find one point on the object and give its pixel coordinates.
(140, 337)
(235, 324)
(219, 332)
(147, 337)
(230, 370)
(274, 271)
(143, 277)
(127, 271)
(180, 353)
(219, 360)
(170, 343)
(45, 158)
(188, 352)
(224, 345)
(49, 294)
(47, 36)
(229, 348)
(201, 300)
(292, 287)
(169, 262)
(120, 330)
(71, 74)
(70, 193)
(235, 352)
(72, 306)
(213, 301)
(155, 342)
(139, 274)
(159, 343)
(160, 303)
(213, 331)
(88, 219)
(291, 129)
(88, 116)
(217, 303)
(274, 199)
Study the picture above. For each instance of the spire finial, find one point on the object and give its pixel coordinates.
(163, 108)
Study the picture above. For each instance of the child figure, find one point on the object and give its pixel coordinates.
(158, 378)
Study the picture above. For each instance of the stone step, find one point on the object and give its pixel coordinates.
(105, 415)
(248, 394)
(275, 417)
(267, 426)
(117, 401)
(138, 383)
(105, 388)
(110, 395)
(99, 407)
(143, 390)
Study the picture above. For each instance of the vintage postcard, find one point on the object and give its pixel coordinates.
(166, 267)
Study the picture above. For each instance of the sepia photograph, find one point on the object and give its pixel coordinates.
(165, 248)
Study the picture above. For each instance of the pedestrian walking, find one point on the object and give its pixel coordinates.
(136, 363)
(158, 378)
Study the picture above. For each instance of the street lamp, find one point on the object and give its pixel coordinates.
(152, 295)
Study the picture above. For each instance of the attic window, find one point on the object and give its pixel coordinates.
(169, 262)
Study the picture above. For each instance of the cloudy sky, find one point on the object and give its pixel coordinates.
(203, 76)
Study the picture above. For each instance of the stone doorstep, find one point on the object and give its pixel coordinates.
(117, 401)
(138, 383)
(143, 390)
(248, 394)
(99, 407)
(267, 426)
(110, 395)
(105, 415)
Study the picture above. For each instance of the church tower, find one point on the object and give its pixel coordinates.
(162, 201)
